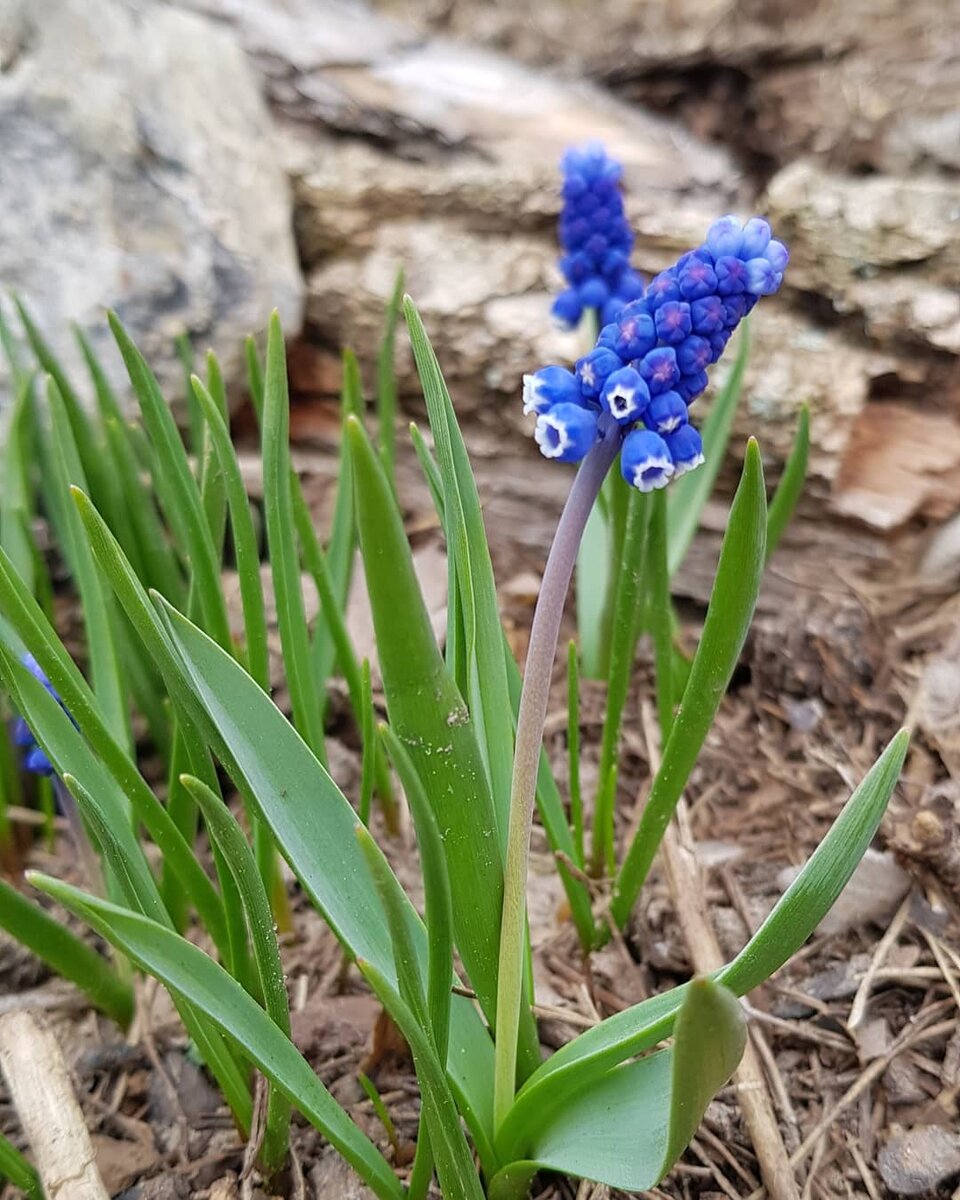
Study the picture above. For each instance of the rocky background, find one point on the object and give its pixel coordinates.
(195, 163)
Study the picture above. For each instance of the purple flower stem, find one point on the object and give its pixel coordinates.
(542, 649)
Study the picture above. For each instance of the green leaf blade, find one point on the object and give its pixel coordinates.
(189, 973)
(793, 919)
(689, 496)
(286, 785)
(176, 487)
(791, 483)
(284, 561)
(628, 1127)
(65, 954)
(734, 597)
(428, 715)
(488, 691)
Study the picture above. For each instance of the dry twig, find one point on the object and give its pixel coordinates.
(49, 1113)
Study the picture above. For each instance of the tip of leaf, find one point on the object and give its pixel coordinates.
(901, 738)
(354, 428)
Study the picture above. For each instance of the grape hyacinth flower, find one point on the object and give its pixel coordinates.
(650, 363)
(596, 239)
(629, 396)
(35, 759)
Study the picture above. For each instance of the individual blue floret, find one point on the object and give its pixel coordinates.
(645, 461)
(673, 321)
(625, 396)
(594, 368)
(686, 449)
(566, 432)
(596, 239)
(666, 412)
(659, 368)
(547, 387)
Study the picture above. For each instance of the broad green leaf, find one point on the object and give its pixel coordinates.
(427, 713)
(438, 903)
(487, 691)
(454, 1162)
(623, 644)
(237, 856)
(188, 973)
(791, 483)
(689, 495)
(794, 918)
(281, 539)
(138, 890)
(65, 954)
(628, 1127)
(387, 383)
(15, 1168)
(549, 801)
(708, 1042)
(734, 597)
(309, 816)
(176, 487)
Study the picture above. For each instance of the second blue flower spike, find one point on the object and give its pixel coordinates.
(596, 239)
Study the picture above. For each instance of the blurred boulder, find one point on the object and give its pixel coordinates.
(139, 172)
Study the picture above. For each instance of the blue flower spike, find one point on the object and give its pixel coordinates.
(596, 239)
(651, 358)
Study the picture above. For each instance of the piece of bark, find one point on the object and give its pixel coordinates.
(899, 462)
(50, 1116)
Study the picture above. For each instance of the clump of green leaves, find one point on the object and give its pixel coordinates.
(143, 527)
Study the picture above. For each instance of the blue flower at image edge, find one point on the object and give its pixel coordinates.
(650, 364)
(595, 237)
(34, 758)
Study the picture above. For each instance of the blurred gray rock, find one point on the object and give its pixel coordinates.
(139, 172)
(862, 84)
(918, 1160)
